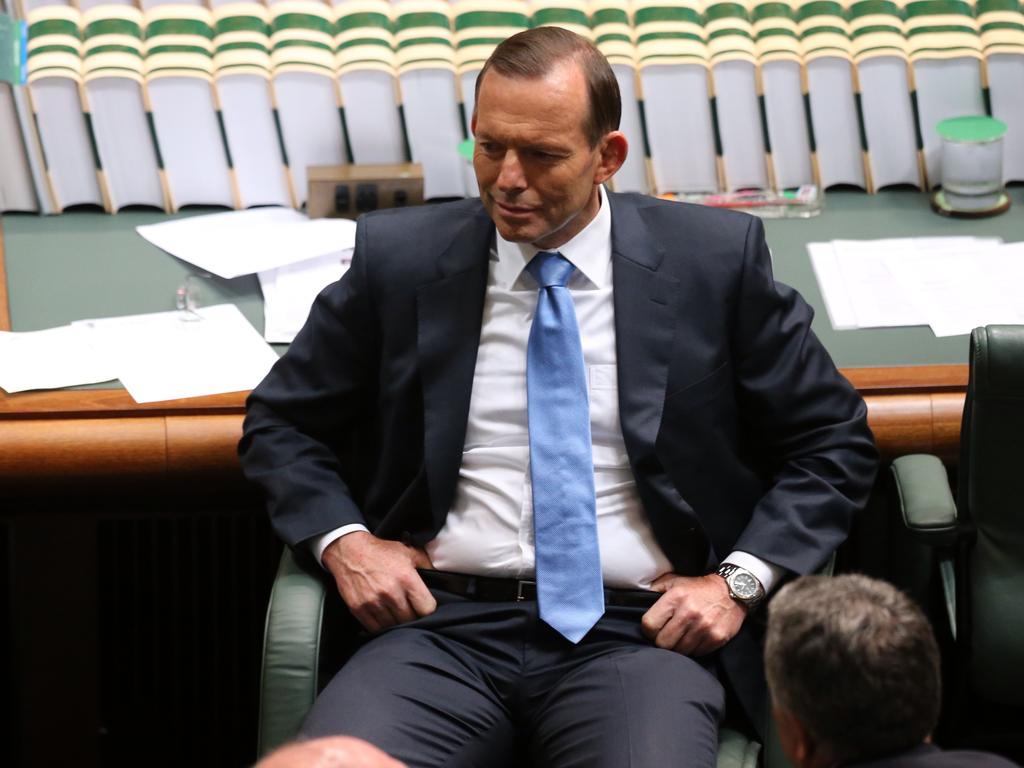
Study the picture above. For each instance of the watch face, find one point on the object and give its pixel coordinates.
(744, 585)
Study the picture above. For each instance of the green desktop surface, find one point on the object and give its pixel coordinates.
(84, 264)
(857, 216)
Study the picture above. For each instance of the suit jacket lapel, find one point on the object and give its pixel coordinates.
(644, 324)
(449, 312)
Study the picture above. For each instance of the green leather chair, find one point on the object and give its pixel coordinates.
(307, 638)
(978, 543)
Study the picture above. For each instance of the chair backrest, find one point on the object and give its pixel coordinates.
(991, 498)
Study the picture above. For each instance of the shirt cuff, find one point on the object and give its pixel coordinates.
(320, 543)
(767, 573)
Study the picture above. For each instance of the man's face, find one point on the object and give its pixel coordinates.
(536, 170)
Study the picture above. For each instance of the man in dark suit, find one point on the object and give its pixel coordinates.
(855, 677)
(407, 443)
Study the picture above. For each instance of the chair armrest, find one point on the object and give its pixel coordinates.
(929, 513)
(291, 652)
(735, 750)
(926, 503)
(828, 568)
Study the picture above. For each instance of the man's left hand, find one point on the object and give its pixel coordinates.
(694, 615)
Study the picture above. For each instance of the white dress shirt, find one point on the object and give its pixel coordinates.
(489, 528)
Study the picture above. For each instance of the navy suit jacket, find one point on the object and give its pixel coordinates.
(740, 432)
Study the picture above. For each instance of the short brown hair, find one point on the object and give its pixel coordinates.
(856, 662)
(533, 53)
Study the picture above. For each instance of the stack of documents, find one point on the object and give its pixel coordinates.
(160, 356)
(953, 284)
(203, 351)
(289, 292)
(295, 257)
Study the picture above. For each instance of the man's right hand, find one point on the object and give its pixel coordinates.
(377, 579)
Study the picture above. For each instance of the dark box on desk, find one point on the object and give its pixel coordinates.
(346, 191)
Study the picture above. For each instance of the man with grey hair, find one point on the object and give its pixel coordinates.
(854, 674)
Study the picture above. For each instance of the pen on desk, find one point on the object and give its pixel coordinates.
(752, 198)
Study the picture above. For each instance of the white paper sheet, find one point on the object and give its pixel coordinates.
(860, 287)
(959, 292)
(243, 242)
(164, 356)
(832, 285)
(1011, 270)
(877, 298)
(288, 293)
(57, 357)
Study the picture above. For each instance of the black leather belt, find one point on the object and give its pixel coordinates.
(489, 589)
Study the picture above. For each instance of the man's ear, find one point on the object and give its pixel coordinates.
(793, 736)
(613, 150)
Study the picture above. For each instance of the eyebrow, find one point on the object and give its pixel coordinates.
(536, 146)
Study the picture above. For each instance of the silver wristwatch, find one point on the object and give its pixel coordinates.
(744, 587)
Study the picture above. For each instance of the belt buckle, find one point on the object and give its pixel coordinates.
(519, 589)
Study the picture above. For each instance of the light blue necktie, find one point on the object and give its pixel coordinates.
(569, 585)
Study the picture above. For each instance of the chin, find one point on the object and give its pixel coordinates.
(515, 234)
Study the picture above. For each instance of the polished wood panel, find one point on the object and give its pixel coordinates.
(104, 433)
(79, 448)
(133, 447)
(914, 409)
(109, 403)
(904, 379)
(200, 445)
(918, 423)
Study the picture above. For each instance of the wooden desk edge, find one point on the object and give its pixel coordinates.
(86, 403)
(908, 378)
(98, 434)
(110, 403)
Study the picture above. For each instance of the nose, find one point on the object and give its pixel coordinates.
(511, 178)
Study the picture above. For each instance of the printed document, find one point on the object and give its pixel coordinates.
(953, 284)
(172, 355)
(50, 359)
(289, 292)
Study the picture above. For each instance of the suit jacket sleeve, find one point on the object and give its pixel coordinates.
(300, 419)
(811, 424)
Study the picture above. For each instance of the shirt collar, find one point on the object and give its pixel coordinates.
(590, 251)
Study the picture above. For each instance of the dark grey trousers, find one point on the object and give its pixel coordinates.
(490, 684)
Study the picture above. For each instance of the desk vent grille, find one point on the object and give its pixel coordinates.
(181, 612)
(8, 708)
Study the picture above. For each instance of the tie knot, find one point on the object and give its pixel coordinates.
(550, 268)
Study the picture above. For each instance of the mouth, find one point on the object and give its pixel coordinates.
(513, 210)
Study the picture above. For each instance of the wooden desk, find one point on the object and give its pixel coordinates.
(913, 383)
(107, 529)
(104, 433)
